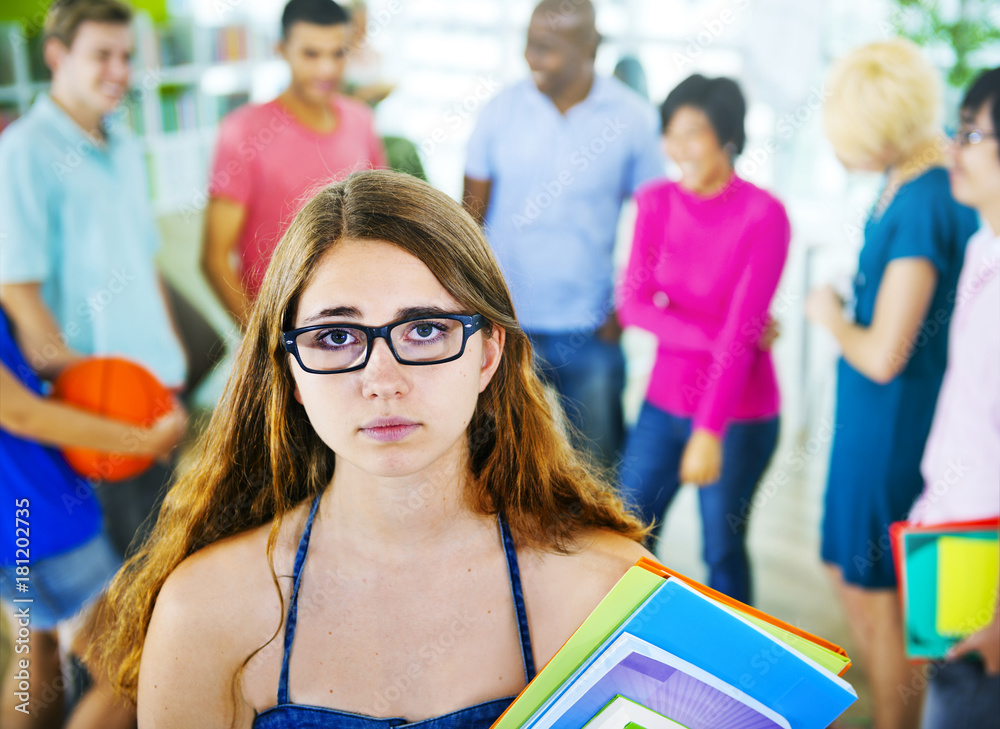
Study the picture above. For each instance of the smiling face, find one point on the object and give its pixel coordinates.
(691, 142)
(558, 52)
(316, 56)
(94, 71)
(975, 168)
(389, 419)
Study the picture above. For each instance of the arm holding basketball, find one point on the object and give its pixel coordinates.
(31, 416)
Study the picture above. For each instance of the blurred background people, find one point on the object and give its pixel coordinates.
(77, 272)
(194, 61)
(69, 559)
(964, 693)
(883, 115)
(549, 164)
(270, 157)
(706, 258)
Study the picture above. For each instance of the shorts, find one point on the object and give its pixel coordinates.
(60, 586)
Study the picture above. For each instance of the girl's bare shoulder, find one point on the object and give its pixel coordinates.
(561, 590)
(226, 589)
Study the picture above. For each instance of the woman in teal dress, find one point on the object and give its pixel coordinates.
(882, 116)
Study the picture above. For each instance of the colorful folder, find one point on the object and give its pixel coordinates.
(948, 582)
(792, 674)
(623, 713)
(658, 680)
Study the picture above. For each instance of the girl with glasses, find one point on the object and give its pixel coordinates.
(384, 523)
(964, 691)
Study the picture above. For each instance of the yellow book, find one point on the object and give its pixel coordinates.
(968, 577)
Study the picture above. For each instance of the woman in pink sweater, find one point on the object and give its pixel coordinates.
(706, 258)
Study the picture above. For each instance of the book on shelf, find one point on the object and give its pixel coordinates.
(173, 44)
(229, 43)
(10, 35)
(690, 654)
(7, 115)
(178, 108)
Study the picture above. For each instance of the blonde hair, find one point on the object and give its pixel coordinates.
(65, 17)
(884, 97)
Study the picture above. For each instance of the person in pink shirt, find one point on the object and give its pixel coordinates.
(270, 157)
(706, 258)
(961, 462)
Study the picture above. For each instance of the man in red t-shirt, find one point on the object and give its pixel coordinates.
(270, 157)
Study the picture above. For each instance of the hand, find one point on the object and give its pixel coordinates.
(825, 307)
(610, 331)
(167, 432)
(701, 463)
(772, 330)
(985, 642)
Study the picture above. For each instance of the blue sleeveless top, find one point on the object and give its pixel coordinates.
(286, 715)
(65, 512)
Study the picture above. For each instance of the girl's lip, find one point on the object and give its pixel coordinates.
(386, 423)
(387, 430)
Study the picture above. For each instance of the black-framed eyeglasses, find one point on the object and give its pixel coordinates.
(424, 340)
(965, 137)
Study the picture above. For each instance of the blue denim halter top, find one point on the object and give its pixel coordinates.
(286, 715)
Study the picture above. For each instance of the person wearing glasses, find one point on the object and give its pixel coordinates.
(964, 692)
(883, 115)
(384, 522)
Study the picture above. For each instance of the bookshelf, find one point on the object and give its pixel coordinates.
(186, 76)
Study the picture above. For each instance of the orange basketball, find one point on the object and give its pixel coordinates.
(116, 388)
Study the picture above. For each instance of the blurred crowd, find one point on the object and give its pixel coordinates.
(549, 166)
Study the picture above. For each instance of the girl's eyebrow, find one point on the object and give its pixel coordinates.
(414, 311)
(339, 312)
(351, 312)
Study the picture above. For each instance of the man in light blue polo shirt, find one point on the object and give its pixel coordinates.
(77, 234)
(549, 165)
(78, 228)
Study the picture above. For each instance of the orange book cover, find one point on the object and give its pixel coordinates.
(658, 569)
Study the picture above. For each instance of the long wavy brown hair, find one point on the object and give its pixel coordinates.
(260, 457)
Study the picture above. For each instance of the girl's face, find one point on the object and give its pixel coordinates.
(975, 167)
(389, 419)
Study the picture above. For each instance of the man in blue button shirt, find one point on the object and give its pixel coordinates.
(549, 165)
(77, 233)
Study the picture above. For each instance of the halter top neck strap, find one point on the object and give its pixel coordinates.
(513, 573)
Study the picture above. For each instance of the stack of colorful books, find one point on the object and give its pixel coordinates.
(662, 650)
(948, 580)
